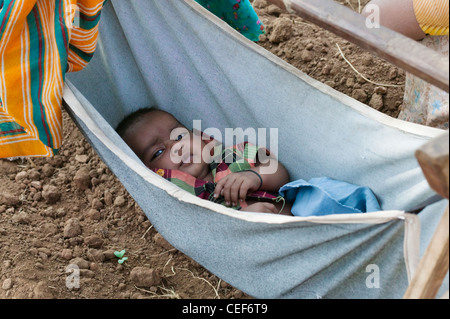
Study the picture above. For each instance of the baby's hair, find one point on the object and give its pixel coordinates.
(132, 119)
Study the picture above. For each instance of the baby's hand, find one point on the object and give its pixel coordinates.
(261, 207)
(236, 186)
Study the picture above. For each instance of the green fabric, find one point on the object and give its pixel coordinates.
(239, 14)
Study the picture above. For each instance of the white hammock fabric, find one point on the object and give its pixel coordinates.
(177, 55)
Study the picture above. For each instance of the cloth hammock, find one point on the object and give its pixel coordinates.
(177, 55)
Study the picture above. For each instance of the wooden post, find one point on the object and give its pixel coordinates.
(433, 157)
(389, 45)
(433, 266)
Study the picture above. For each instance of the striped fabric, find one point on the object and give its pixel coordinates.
(40, 40)
(432, 16)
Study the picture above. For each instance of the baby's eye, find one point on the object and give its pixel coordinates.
(157, 153)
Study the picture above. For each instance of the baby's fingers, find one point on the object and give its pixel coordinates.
(243, 190)
(218, 191)
(223, 188)
(235, 191)
(231, 191)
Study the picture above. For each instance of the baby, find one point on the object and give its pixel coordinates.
(244, 177)
(168, 147)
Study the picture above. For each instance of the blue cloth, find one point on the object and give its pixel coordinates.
(324, 196)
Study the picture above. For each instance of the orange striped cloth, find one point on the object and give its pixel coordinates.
(433, 16)
(40, 41)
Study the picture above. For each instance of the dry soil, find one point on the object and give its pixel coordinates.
(71, 209)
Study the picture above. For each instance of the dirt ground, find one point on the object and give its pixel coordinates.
(71, 209)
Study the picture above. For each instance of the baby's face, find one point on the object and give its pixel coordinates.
(160, 141)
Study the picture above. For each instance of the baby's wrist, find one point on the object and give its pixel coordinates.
(257, 174)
